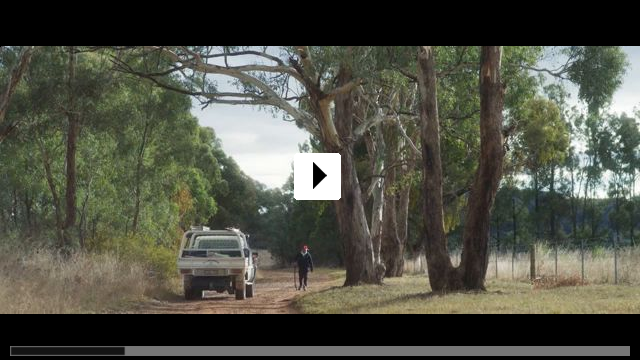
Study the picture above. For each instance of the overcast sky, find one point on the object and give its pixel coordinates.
(264, 146)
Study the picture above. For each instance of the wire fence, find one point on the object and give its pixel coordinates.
(593, 261)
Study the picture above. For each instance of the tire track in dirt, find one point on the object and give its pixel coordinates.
(274, 294)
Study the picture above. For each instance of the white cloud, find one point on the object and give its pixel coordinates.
(263, 146)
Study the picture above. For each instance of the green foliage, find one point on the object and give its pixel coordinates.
(141, 154)
(158, 257)
(140, 151)
(598, 71)
(543, 135)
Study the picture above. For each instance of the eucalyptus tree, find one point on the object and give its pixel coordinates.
(322, 80)
(542, 143)
(620, 157)
(471, 273)
(598, 72)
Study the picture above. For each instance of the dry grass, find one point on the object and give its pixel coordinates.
(411, 294)
(38, 281)
(599, 265)
(551, 282)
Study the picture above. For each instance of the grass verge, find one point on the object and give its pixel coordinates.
(411, 294)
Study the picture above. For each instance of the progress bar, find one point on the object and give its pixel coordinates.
(67, 350)
(322, 351)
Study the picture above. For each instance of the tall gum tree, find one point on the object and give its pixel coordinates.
(470, 275)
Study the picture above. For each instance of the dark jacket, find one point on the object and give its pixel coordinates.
(304, 261)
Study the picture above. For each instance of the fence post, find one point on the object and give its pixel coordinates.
(497, 261)
(532, 258)
(582, 258)
(615, 260)
(513, 259)
(555, 245)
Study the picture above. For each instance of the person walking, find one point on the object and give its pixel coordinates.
(305, 264)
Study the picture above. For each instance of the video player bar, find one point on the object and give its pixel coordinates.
(325, 351)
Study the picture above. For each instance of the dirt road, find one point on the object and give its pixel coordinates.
(274, 295)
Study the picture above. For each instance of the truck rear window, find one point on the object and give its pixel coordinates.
(216, 243)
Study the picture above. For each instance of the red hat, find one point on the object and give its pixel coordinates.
(305, 247)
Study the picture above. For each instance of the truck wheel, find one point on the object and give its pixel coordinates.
(189, 294)
(241, 293)
(250, 289)
(197, 294)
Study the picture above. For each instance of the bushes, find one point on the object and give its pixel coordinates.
(158, 258)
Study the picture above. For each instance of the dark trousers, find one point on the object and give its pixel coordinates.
(302, 275)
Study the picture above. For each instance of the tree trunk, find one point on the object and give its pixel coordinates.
(28, 205)
(617, 202)
(392, 249)
(82, 226)
(14, 208)
(352, 220)
(72, 139)
(594, 221)
(54, 196)
(536, 207)
(403, 227)
(94, 227)
(552, 204)
(392, 246)
(498, 233)
(632, 215)
(6, 127)
(477, 222)
(442, 275)
(474, 261)
(3, 221)
(584, 205)
(379, 197)
(139, 169)
(574, 208)
(515, 224)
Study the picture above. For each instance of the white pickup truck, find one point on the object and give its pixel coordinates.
(218, 260)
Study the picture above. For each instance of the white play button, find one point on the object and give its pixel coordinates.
(316, 176)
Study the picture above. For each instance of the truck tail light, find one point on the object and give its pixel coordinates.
(186, 271)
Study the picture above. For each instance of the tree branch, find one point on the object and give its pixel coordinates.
(270, 96)
(416, 152)
(14, 79)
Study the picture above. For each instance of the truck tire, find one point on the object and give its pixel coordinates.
(250, 289)
(189, 292)
(241, 294)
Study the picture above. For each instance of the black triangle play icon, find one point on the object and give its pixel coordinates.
(318, 175)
